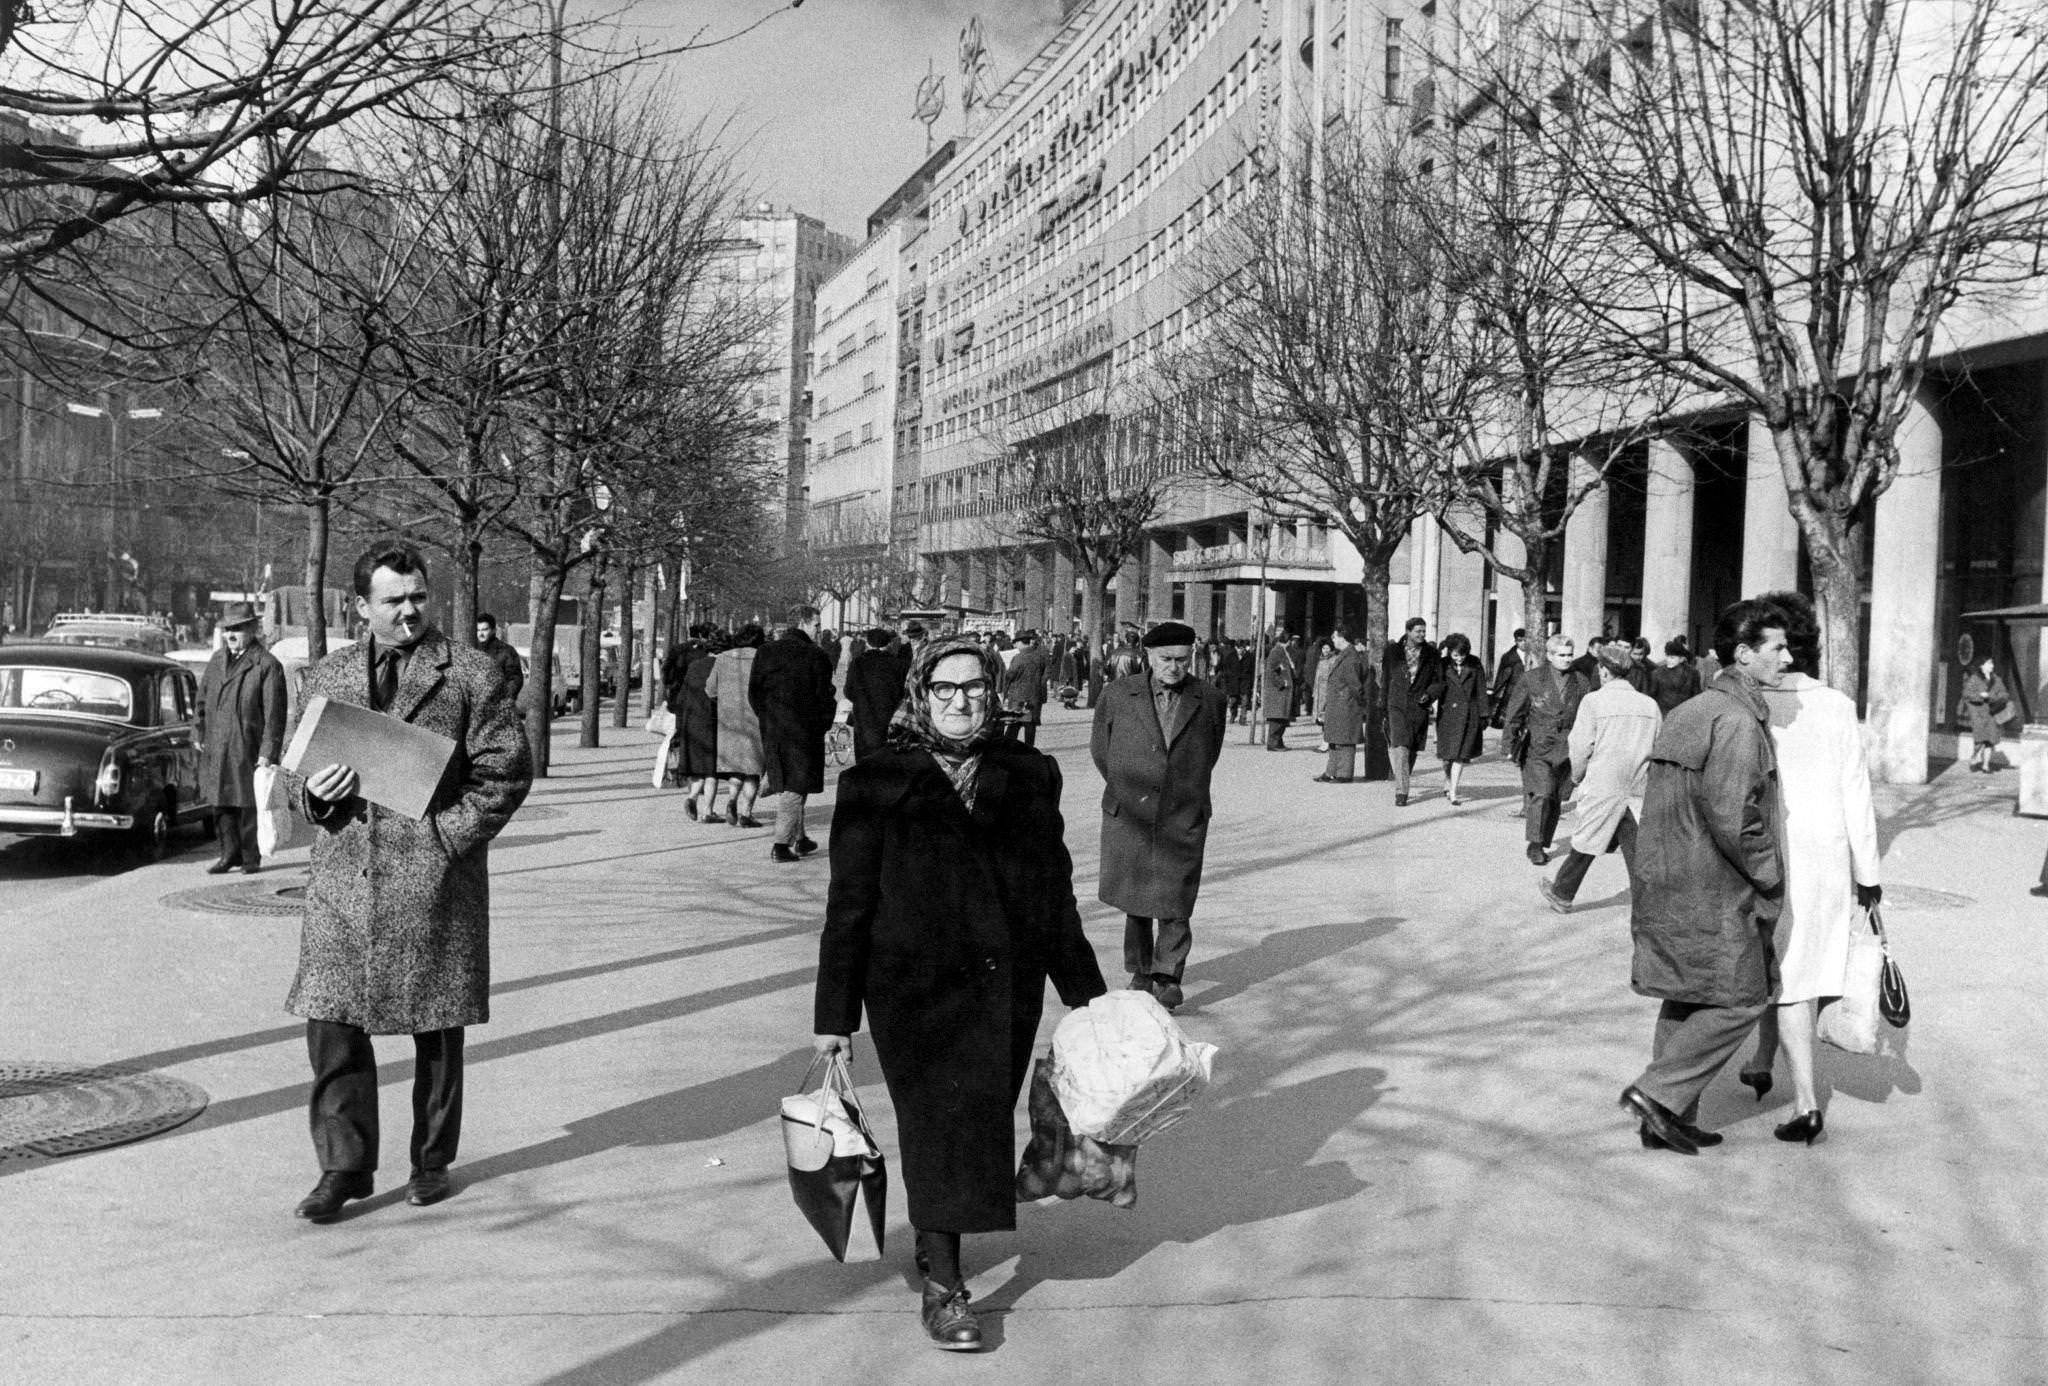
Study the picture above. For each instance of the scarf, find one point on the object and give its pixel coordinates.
(912, 728)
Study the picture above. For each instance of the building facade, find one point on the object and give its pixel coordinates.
(779, 256)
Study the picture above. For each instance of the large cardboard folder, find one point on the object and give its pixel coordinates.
(400, 765)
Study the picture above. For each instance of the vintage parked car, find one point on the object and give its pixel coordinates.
(112, 630)
(99, 741)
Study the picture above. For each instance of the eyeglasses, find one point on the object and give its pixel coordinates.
(947, 692)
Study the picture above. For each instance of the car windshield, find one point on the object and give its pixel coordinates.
(78, 691)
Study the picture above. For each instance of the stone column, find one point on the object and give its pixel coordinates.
(1159, 594)
(1424, 543)
(1585, 559)
(1906, 541)
(1461, 589)
(1240, 610)
(1036, 564)
(1667, 544)
(1062, 594)
(1770, 536)
(1130, 609)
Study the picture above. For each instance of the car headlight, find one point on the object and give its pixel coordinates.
(108, 783)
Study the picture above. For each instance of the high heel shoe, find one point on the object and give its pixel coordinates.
(1757, 1081)
(732, 814)
(1804, 1127)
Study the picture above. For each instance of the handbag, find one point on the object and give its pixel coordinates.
(1892, 1001)
(1850, 1022)
(833, 1158)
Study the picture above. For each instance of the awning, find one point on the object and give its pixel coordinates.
(2035, 614)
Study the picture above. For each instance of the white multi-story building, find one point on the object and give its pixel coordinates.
(853, 415)
(781, 256)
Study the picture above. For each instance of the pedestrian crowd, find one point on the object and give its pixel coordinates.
(1738, 800)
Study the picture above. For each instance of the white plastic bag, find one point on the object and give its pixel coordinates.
(1851, 1022)
(275, 826)
(1122, 1069)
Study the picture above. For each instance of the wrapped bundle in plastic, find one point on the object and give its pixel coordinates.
(1123, 1071)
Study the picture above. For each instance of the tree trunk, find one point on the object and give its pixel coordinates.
(652, 694)
(545, 598)
(1837, 599)
(593, 652)
(1536, 594)
(317, 518)
(622, 699)
(1094, 595)
(469, 560)
(1373, 583)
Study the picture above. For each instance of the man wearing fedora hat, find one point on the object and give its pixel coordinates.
(241, 726)
(1157, 736)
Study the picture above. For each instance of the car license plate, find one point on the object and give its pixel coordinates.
(23, 780)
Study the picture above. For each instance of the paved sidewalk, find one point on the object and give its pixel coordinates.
(1410, 1167)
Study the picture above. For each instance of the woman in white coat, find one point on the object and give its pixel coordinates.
(1829, 830)
(1610, 746)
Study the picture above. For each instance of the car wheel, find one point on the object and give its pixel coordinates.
(153, 832)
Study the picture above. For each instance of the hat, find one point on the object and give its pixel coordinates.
(1168, 633)
(234, 615)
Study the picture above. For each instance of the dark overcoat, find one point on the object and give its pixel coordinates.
(1025, 681)
(696, 713)
(507, 660)
(1540, 714)
(1462, 712)
(241, 721)
(943, 926)
(1708, 878)
(790, 690)
(1409, 703)
(396, 937)
(874, 685)
(1672, 684)
(1278, 678)
(1344, 698)
(1155, 795)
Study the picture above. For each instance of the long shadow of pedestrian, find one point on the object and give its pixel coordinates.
(1280, 952)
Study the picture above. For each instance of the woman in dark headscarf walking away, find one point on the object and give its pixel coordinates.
(1462, 714)
(951, 903)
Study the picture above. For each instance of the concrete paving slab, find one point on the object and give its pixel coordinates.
(1410, 1166)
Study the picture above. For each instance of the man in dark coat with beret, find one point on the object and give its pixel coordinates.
(396, 938)
(790, 690)
(1707, 881)
(874, 685)
(1156, 740)
(241, 723)
(1539, 720)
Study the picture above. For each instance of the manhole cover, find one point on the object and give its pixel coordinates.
(1925, 898)
(62, 1109)
(282, 897)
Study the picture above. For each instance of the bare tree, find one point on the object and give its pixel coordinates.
(1088, 475)
(1808, 189)
(1327, 375)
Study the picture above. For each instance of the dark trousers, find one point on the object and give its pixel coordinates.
(1340, 762)
(1542, 788)
(1276, 733)
(1026, 732)
(235, 830)
(1691, 1045)
(344, 1103)
(1164, 955)
(1572, 874)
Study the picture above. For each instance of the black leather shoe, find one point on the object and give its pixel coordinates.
(804, 846)
(1166, 991)
(250, 868)
(948, 1321)
(2040, 890)
(747, 822)
(1659, 1120)
(1702, 1139)
(427, 1186)
(1757, 1081)
(336, 1187)
(1400, 801)
(1550, 896)
(1537, 856)
(220, 868)
(1804, 1127)
(779, 852)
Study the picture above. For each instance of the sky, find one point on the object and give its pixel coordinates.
(819, 98)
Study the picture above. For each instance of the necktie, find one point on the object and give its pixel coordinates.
(384, 686)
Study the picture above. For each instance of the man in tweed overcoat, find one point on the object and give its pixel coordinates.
(396, 938)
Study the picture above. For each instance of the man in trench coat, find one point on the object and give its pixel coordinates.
(1708, 879)
(1026, 681)
(1156, 740)
(1610, 755)
(1277, 683)
(396, 939)
(241, 725)
(790, 689)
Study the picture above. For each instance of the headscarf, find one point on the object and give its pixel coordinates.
(912, 728)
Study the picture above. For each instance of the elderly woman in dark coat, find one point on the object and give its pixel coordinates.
(696, 714)
(1461, 714)
(1984, 702)
(1343, 703)
(951, 903)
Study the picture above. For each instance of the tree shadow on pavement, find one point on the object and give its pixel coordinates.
(1277, 953)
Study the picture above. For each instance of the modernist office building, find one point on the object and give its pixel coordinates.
(1054, 238)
